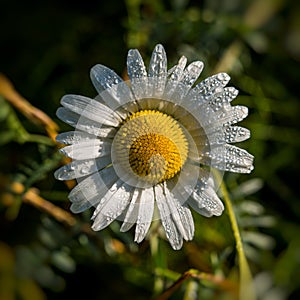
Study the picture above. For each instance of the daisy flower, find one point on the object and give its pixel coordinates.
(145, 148)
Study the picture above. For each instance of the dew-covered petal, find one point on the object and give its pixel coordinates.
(189, 76)
(228, 134)
(90, 190)
(201, 177)
(104, 78)
(206, 201)
(211, 105)
(121, 112)
(201, 194)
(175, 76)
(182, 217)
(201, 211)
(112, 205)
(118, 96)
(74, 137)
(87, 149)
(229, 158)
(172, 233)
(81, 168)
(137, 74)
(227, 117)
(111, 87)
(218, 100)
(84, 124)
(212, 84)
(191, 73)
(186, 180)
(235, 134)
(131, 214)
(157, 74)
(215, 100)
(158, 62)
(135, 65)
(176, 198)
(91, 109)
(145, 214)
(180, 81)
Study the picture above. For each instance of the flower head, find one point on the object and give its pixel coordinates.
(151, 143)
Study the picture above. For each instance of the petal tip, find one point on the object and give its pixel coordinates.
(159, 48)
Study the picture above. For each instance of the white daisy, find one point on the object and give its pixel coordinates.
(143, 149)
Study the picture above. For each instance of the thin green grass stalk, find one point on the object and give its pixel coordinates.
(154, 246)
(247, 291)
(191, 292)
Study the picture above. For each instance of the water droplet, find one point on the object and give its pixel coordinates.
(220, 76)
(219, 89)
(113, 189)
(84, 170)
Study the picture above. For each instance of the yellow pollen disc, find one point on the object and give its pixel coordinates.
(151, 144)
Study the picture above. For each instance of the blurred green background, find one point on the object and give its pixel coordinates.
(47, 49)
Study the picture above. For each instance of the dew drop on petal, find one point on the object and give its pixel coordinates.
(84, 170)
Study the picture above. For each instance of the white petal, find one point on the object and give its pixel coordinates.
(211, 119)
(84, 124)
(229, 158)
(122, 112)
(177, 193)
(89, 191)
(200, 194)
(145, 214)
(235, 134)
(157, 71)
(214, 100)
(137, 74)
(80, 168)
(186, 181)
(231, 116)
(188, 78)
(91, 109)
(158, 62)
(112, 205)
(87, 149)
(141, 88)
(228, 134)
(104, 78)
(206, 200)
(175, 76)
(118, 96)
(135, 65)
(180, 212)
(218, 100)
(212, 84)
(171, 230)
(202, 211)
(132, 211)
(74, 137)
(186, 185)
(191, 73)
(111, 87)
(187, 222)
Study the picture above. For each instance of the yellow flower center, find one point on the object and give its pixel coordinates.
(152, 145)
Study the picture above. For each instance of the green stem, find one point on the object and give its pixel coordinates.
(21, 135)
(247, 291)
(39, 139)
